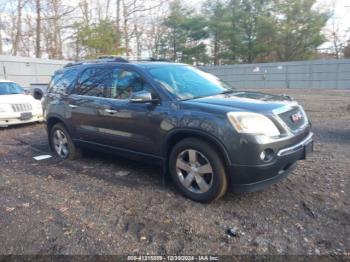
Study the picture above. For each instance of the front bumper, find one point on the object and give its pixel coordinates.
(248, 178)
(15, 119)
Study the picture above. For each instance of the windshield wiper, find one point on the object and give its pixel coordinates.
(194, 97)
(222, 93)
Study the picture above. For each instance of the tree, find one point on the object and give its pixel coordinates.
(132, 9)
(154, 32)
(185, 34)
(1, 28)
(299, 29)
(38, 28)
(98, 39)
(194, 50)
(226, 31)
(347, 50)
(18, 27)
(56, 22)
(257, 29)
(2, 7)
(334, 33)
(117, 29)
(176, 37)
(218, 23)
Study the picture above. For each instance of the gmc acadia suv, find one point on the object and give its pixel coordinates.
(208, 136)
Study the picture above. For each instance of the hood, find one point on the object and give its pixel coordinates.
(251, 101)
(16, 99)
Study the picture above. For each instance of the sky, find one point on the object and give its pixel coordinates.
(340, 18)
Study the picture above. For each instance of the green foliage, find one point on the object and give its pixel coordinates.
(185, 35)
(222, 34)
(298, 29)
(226, 32)
(98, 39)
(252, 27)
(245, 31)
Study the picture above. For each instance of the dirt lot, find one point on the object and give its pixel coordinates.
(104, 204)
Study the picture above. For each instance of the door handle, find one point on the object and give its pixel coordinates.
(110, 111)
(72, 106)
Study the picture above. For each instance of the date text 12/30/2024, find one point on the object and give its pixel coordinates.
(173, 258)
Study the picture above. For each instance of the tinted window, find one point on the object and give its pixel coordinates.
(54, 80)
(111, 83)
(128, 83)
(93, 81)
(62, 81)
(8, 88)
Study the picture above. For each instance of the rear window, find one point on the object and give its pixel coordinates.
(110, 82)
(93, 81)
(62, 81)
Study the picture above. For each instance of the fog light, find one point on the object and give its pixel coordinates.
(266, 155)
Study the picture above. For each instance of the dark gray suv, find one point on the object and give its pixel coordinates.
(208, 136)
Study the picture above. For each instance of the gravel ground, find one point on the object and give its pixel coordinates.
(104, 204)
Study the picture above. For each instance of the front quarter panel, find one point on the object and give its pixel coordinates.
(204, 122)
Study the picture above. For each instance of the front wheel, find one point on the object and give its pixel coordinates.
(62, 144)
(197, 170)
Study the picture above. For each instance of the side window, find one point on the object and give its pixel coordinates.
(62, 81)
(54, 80)
(111, 83)
(93, 81)
(128, 83)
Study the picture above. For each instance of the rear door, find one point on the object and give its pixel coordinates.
(85, 104)
(56, 100)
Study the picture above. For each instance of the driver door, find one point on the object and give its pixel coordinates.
(126, 125)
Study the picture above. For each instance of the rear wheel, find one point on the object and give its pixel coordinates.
(197, 170)
(62, 143)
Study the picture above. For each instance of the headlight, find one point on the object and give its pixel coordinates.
(252, 123)
(4, 108)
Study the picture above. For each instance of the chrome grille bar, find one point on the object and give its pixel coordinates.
(21, 107)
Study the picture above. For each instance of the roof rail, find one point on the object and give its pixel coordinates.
(141, 58)
(120, 59)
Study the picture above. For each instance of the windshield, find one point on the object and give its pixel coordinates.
(187, 82)
(8, 88)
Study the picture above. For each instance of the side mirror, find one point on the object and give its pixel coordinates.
(142, 97)
(26, 91)
(38, 94)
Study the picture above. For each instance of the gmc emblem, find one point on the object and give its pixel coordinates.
(296, 117)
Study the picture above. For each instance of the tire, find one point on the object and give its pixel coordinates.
(71, 151)
(188, 162)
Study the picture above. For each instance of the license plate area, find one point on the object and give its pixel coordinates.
(26, 116)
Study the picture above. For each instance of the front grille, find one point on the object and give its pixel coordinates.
(21, 107)
(287, 118)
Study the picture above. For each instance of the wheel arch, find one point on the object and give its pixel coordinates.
(177, 135)
(51, 121)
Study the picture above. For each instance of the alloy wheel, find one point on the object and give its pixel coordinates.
(60, 143)
(194, 171)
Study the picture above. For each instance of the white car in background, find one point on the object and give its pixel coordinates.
(16, 107)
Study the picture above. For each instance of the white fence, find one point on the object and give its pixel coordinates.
(304, 74)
